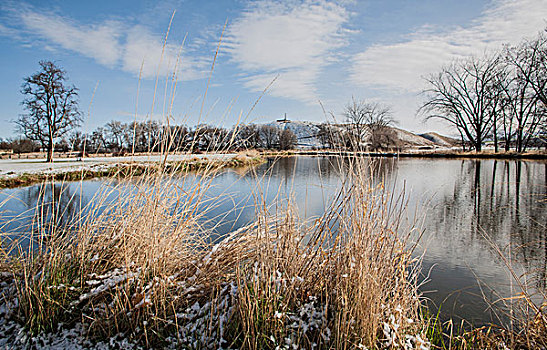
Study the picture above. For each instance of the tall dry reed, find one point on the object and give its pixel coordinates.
(142, 266)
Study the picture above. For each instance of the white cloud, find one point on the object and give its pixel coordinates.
(295, 40)
(101, 42)
(401, 66)
(110, 43)
(142, 48)
(291, 83)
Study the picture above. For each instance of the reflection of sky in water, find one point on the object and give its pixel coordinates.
(463, 200)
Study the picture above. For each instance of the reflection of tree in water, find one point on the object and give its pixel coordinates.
(327, 168)
(506, 200)
(55, 206)
(529, 227)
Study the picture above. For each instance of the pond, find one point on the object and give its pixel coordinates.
(466, 208)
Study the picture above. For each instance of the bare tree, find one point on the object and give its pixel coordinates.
(464, 94)
(498, 107)
(177, 137)
(76, 140)
(325, 135)
(115, 131)
(526, 91)
(531, 61)
(144, 136)
(369, 121)
(287, 139)
(269, 136)
(247, 136)
(51, 107)
(97, 141)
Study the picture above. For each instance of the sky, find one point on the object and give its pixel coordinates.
(231, 61)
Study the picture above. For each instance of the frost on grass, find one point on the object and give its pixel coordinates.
(280, 307)
(205, 321)
(102, 283)
(140, 275)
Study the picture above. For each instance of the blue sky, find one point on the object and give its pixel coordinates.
(307, 55)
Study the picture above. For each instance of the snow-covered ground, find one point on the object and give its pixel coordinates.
(305, 132)
(14, 167)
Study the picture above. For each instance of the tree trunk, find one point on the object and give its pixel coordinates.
(495, 135)
(519, 141)
(49, 158)
(478, 144)
(463, 141)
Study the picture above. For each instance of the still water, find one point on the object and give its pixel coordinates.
(465, 209)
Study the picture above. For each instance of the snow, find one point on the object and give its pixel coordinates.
(15, 167)
(306, 134)
(107, 281)
(201, 324)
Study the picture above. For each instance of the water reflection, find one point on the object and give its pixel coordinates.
(492, 205)
(38, 210)
(470, 206)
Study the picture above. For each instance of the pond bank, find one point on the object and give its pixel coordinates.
(539, 155)
(15, 173)
(24, 172)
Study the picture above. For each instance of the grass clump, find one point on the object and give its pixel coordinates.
(142, 268)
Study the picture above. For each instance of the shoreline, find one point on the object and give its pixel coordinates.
(36, 170)
(82, 171)
(419, 154)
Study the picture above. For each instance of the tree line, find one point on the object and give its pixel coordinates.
(52, 118)
(151, 136)
(499, 98)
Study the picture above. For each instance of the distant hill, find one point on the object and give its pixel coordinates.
(441, 140)
(410, 140)
(306, 134)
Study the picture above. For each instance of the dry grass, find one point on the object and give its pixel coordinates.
(143, 266)
(130, 170)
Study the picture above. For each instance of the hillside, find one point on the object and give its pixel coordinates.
(306, 133)
(444, 141)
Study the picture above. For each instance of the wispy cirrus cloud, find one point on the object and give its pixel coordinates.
(294, 41)
(401, 66)
(133, 48)
(100, 42)
(143, 48)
